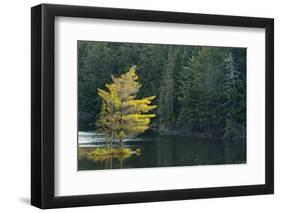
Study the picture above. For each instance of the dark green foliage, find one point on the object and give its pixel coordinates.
(167, 91)
(200, 90)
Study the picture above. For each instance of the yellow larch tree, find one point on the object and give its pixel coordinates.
(122, 115)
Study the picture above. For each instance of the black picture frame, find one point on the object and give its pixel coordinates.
(43, 117)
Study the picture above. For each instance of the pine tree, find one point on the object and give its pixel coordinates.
(192, 93)
(200, 92)
(122, 115)
(231, 76)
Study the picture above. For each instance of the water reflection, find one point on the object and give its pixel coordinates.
(165, 150)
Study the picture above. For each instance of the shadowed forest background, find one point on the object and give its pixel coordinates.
(200, 91)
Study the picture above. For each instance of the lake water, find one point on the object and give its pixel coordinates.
(165, 150)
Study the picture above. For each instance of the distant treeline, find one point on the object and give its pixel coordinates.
(200, 90)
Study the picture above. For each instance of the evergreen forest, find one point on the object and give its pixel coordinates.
(199, 91)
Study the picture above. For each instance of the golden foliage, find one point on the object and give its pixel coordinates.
(122, 115)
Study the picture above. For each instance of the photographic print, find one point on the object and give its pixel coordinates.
(160, 105)
(125, 95)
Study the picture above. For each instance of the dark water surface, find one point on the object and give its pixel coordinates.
(166, 150)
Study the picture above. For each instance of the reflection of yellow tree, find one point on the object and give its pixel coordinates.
(106, 155)
(122, 115)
